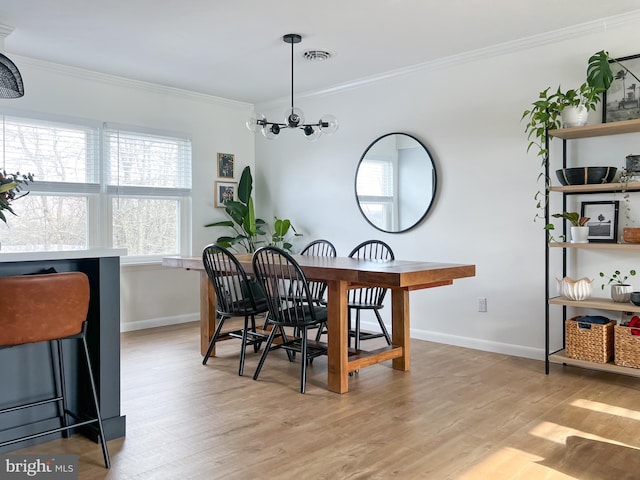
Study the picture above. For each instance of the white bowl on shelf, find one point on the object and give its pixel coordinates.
(575, 289)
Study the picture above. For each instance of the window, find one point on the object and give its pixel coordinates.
(132, 191)
(375, 191)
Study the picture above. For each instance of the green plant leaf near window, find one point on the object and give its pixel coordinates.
(252, 232)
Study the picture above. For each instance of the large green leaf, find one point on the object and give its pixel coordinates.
(249, 223)
(224, 223)
(245, 186)
(281, 227)
(599, 70)
(5, 187)
(237, 211)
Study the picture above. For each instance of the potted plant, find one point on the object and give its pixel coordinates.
(620, 290)
(579, 230)
(545, 115)
(10, 186)
(250, 232)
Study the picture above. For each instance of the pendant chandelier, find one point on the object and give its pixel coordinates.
(294, 118)
(11, 85)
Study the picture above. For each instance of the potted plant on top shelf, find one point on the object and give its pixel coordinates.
(579, 230)
(545, 115)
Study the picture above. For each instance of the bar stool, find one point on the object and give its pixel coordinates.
(49, 308)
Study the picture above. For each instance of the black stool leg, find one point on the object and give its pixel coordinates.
(59, 380)
(103, 440)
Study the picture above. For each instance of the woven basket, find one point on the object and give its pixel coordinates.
(589, 341)
(627, 347)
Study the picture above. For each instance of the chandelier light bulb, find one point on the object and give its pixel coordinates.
(256, 121)
(328, 124)
(271, 131)
(312, 133)
(294, 117)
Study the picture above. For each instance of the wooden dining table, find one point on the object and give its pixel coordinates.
(342, 274)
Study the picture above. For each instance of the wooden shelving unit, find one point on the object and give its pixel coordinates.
(589, 131)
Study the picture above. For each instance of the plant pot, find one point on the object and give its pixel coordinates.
(574, 289)
(574, 116)
(621, 293)
(579, 234)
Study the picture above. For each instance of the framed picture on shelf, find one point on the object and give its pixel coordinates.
(225, 165)
(225, 191)
(621, 101)
(603, 220)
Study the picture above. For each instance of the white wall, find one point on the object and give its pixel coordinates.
(150, 295)
(467, 112)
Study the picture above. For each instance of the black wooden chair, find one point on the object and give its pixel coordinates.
(319, 248)
(368, 298)
(51, 308)
(291, 304)
(236, 296)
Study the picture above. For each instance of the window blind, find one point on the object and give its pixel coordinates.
(146, 164)
(62, 157)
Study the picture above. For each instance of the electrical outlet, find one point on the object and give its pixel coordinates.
(482, 304)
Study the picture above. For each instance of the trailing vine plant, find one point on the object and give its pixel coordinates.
(544, 115)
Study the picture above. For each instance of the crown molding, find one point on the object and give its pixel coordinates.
(115, 80)
(526, 43)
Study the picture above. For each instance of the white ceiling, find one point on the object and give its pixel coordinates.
(234, 48)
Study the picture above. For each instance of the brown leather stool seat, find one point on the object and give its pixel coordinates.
(50, 308)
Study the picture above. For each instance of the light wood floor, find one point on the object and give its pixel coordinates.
(458, 414)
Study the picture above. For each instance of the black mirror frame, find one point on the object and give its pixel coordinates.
(434, 179)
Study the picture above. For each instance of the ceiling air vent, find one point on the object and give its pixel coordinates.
(316, 55)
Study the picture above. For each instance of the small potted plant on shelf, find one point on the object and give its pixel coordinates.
(620, 290)
(579, 230)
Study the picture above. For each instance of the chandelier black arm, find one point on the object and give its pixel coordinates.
(284, 125)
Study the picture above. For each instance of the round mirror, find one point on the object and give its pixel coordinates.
(395, 182)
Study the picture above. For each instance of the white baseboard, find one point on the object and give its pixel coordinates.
(159, 322)
(467, 342)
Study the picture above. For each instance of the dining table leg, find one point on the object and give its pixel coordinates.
(338, 336)
(207, 313)
(400, 334)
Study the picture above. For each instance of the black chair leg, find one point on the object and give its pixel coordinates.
(244, 345)
(256, 342)
(265, 352)
(357, 338)
(212, 343)
(303, 361)
(383, 328)
(322, 328)
(103, 440)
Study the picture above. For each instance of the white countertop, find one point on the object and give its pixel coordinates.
(62, 254)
